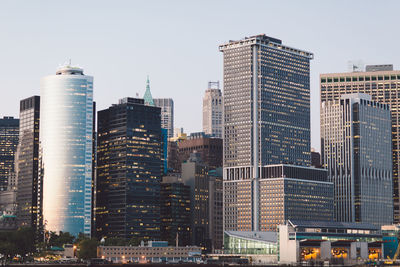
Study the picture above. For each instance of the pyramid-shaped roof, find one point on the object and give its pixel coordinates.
(148, 99)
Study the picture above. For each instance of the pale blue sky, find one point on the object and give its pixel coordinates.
(176, 44)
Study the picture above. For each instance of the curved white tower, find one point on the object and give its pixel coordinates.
(66, 127)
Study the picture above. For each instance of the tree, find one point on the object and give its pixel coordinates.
(60, 239)
(88, 249)
(20, 242)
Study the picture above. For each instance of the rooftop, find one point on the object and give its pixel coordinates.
(271, 237)
(332, 225)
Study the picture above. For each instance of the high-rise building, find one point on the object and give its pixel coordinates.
(66, 148)
(29, 185)
(9, 130)
(213, 110)
(206, 202)
(382, 83)
(129, 170)
(167, 114)
(359, 166)
(175, 211)
(266, 113)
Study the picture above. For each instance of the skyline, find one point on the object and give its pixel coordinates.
(176, 44)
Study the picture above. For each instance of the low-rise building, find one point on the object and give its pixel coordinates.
(155, 251)
(337, 242)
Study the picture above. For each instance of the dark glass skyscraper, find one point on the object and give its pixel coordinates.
(29, 187)
(129, 166)
(175, 211)
(9, 129)
(266, 116)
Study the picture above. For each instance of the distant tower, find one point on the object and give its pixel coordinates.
(148, 99)
(167, 114)
(66, 147)
(213, 110)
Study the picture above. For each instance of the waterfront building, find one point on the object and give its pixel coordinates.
(29, 185)
(175, 211)
(358, 165)
(9, 132)
(66, 148)
(336, 242)
(266, 116)
(153, 252)
(213, 110)
(167, 114)
(129, 170)
(381, 82)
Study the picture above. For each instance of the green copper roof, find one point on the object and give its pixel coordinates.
(148, 99)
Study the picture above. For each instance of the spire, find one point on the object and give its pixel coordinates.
(148, 99)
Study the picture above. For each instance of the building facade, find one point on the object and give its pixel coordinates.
(358, 165)
(382, 83)
(29, 192)
(175, 211)
(9, 132)
(266, 112)
(167, 114)
(66, 148)
(209, 148)
(129, 170)
(213, 107)
(286, 192)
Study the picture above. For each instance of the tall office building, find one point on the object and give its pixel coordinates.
(129, 170)
(382, 83)
(167, 114)
(359, 166)
(9, 131)
(29, 184)
(266, 113)
(66, 147)
(213, 111)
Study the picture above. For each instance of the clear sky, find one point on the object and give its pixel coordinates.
(176, 44)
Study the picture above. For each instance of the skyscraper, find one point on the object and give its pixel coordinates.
(213, 110)
(9, 130)
(167, 114)
(129, 169)
(382, 83)
(29, 184)
(66, 129)
(359, 166)
(266, 113)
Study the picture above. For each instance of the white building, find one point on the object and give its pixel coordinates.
(213, 110)
(66, 147)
